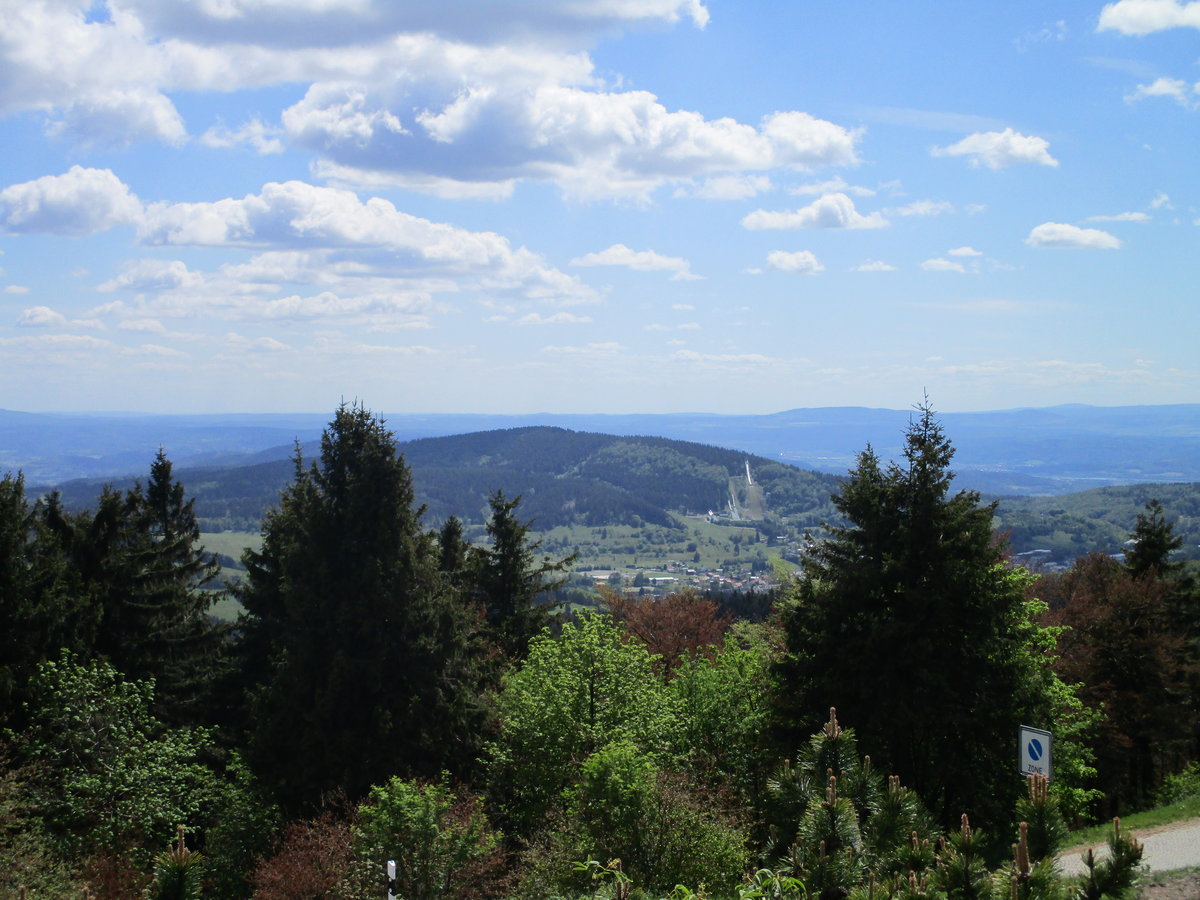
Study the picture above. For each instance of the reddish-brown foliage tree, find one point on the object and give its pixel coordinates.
(314, 860)
(1120, 645)
(669, 626)
(114, 876)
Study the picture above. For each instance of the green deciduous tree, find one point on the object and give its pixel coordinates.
(109, 776)
(27, 853)
(372, 666)
(663, 829)
(242, 827)
(908, 620)
(574, 694)
(437, 840)
(724, 714)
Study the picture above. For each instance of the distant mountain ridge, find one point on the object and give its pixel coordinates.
(1050, 450)
(565, 478)
(585, 478)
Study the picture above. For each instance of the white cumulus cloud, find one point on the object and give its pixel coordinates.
(313, 22)
(1059, 235)
(829, 211)
(593, 144)
(800, 261)
(296, 215)
(639, 260)
(119, 118)
(78, 202)
(559, 318)
(964, 251)
(103, 72)
(45, 317)
(152, 275)
(1000, 149)
(145, 326)
(923, 208)
(943, 265)
(1147, 16)
(1186, 95)
(451, 97)
(874, 265)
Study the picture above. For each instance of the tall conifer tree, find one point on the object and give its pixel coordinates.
(510, 581)
(136, 561)
(908, 621)
(185, 644)
(37, 608)
(372, 667)
(1151, 544)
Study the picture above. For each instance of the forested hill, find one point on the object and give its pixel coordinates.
(564, 477)
(570, 477)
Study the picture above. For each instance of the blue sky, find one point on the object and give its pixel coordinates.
(597, 205)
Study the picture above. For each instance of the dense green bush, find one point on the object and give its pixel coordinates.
(661, 826)
(574, 694)
(434, 837)
(1180, 786)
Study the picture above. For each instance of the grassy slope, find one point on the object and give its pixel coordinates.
(1182, 811)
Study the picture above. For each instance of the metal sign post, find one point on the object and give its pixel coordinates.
(391, 879)
(1034, 751)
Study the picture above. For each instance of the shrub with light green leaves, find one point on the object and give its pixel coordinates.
(109, 777)
(574, 694)
(433, 835)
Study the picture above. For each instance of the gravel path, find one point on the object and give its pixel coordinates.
(1168, 847)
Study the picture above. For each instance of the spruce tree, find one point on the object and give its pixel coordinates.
(509, 581)
(372, 670)
(135, 561)
(36, 603)
(453, 551)
(1151, 544)
(185, 645)
(909, 622)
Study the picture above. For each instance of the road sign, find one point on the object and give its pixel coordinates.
(391, 879)
(1034, 751)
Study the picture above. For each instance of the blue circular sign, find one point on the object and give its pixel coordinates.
(1035, 749)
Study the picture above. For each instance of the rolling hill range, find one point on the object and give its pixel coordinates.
(1046, 451)
(571, 479)
(565, 478)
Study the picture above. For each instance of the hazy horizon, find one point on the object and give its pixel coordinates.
(503, 413)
